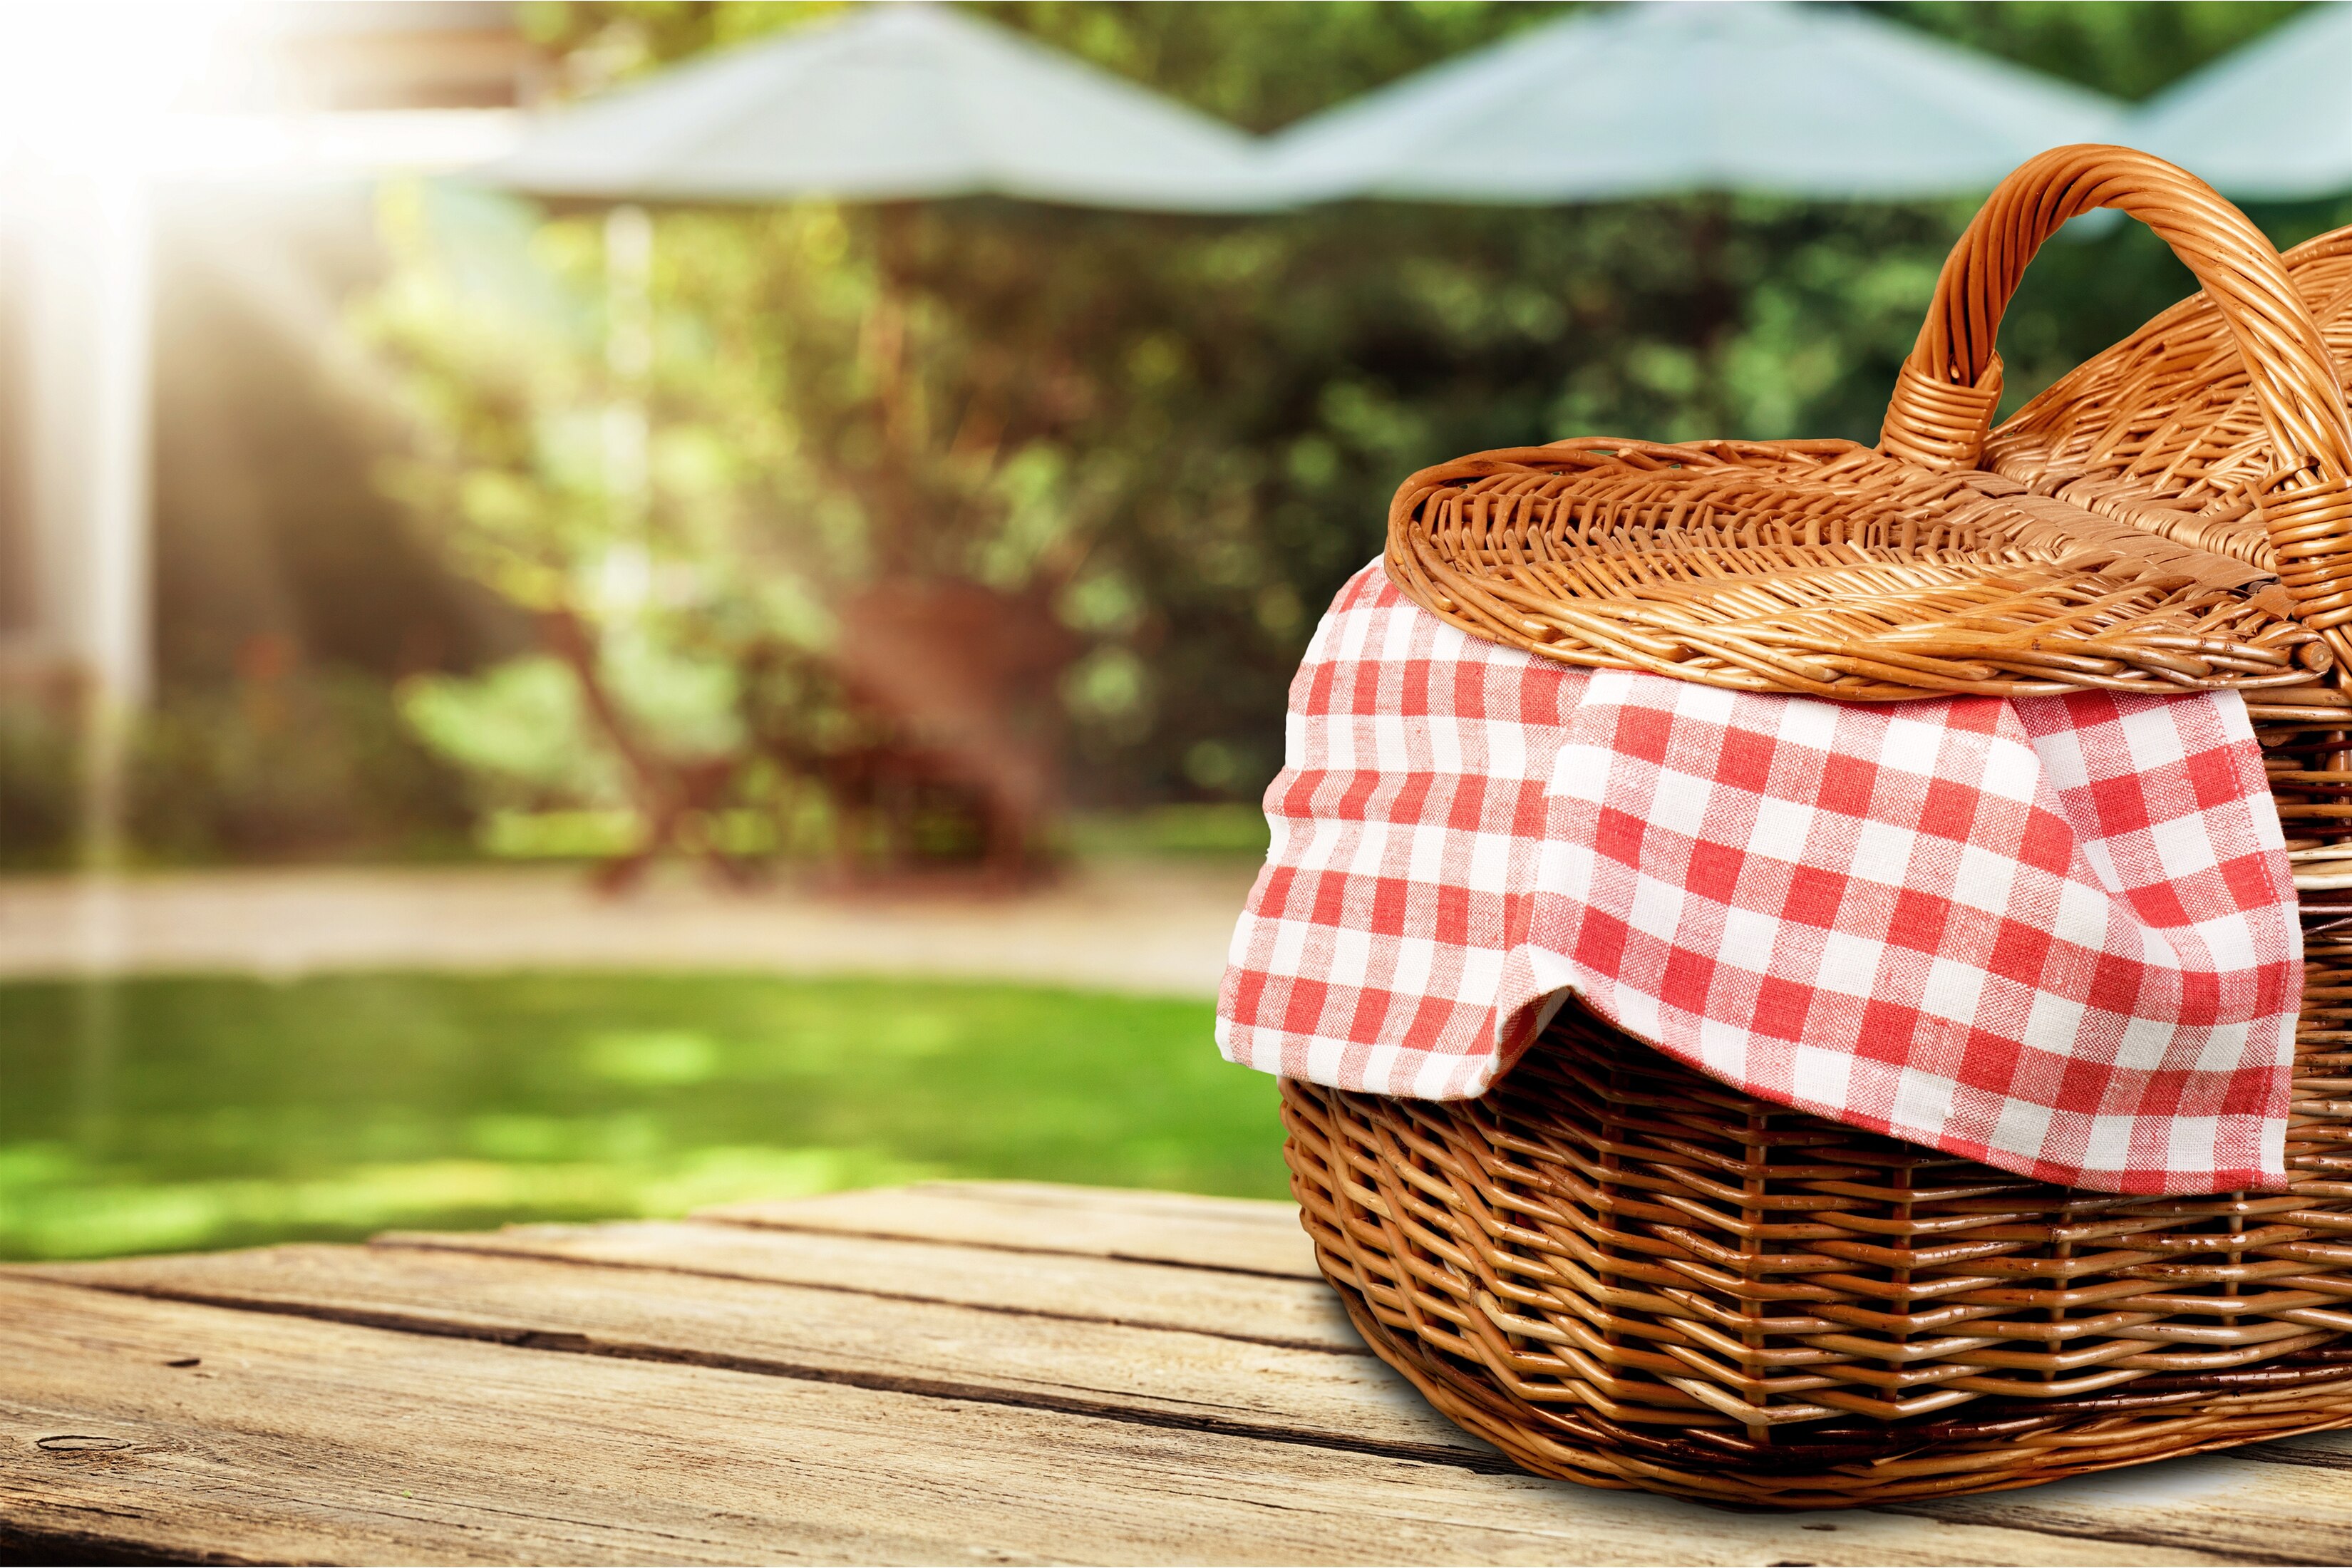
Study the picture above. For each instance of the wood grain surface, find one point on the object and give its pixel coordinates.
(1233, 1236)
(943, 1373)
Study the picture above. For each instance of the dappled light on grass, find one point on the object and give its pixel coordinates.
(53, 1204)
(228, 1111)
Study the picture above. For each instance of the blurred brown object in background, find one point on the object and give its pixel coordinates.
(964, 683)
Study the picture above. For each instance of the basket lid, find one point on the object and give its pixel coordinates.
(1911, 570)
(2162, 430)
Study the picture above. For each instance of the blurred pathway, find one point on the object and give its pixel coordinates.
(1150, 926)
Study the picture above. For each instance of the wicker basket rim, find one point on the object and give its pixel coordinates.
(1908, 571)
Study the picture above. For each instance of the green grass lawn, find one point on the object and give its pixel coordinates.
(176, 1114)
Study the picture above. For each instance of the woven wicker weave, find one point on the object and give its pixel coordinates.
(1833, 569)
(1622, 1272)
(2161, 431)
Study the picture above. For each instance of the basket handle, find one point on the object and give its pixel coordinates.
(1942, 409)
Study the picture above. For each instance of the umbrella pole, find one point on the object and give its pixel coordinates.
(1714, 304)
(897, 410)
(628, 565)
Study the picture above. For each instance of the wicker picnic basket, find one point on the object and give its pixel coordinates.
(1622, 1272)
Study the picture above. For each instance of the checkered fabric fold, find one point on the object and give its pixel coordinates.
(2055, 934)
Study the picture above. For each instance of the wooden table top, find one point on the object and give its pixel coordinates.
(951, 1372)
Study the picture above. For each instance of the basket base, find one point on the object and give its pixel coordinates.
(1565, 1269)
(1572, 1446)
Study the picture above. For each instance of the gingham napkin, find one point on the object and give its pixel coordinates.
(2055, 934)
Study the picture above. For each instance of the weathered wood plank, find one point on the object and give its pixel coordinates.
(1183, 1379)
(1334, 1398)
(2171, 1500)
(2280, 1502)
(1236, 1235)
(188, 1432)
(1105, 1289)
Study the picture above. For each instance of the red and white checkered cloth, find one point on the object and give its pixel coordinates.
(2055, 934)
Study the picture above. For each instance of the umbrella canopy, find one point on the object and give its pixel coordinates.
(2272, 119)
(1649, 99)
(895, 102)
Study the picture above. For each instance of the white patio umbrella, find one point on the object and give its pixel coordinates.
(894, 102)
(2272, 119)
(1656, 98)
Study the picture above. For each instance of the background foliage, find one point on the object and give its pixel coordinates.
(1216, 411)
(1172, 437)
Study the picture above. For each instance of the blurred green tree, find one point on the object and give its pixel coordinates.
(729, 492)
